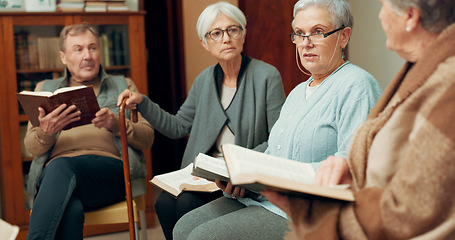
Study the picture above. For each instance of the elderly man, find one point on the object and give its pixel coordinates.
(80, 169)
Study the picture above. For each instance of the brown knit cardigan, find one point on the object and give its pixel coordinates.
(402, 161)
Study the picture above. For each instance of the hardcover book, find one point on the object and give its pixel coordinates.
(210, 168)
(181, 180)
(82, 96)
(258, 171)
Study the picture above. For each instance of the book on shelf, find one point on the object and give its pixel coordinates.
(258, 171)
(113, 6)
(21, 49)
(96, 6)
(71, 7)
(104, 47)
(117, 51)
(32, 45)
(181, 180)
(82, 96)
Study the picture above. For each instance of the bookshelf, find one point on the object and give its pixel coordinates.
(25, 39)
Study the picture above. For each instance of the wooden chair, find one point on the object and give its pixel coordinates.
(126, 211)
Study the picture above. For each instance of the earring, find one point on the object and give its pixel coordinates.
(342, 53)
(408, 29)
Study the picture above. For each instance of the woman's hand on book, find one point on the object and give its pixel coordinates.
(230, 189)
(134, 98)
(333, 171)
(56, 120)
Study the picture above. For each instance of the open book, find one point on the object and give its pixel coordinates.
(210, 168)
(82, 96)
(258, 171)
(181, 180)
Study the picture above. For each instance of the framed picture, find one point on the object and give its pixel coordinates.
(40, 5)
(12, 6)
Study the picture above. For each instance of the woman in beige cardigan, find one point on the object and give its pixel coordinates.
(401, 163)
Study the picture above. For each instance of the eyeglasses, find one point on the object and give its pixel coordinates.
(298, 38)
(218, 34)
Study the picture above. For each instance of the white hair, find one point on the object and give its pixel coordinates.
(435, 15)
(212, 11)
(339, 9)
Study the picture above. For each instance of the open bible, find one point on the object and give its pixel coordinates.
(181, 180)
(82, 96)
(210, 168)
(259, 171)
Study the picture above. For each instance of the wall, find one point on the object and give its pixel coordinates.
(367, 45)
(196, 57)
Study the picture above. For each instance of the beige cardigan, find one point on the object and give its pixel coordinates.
(402, 161)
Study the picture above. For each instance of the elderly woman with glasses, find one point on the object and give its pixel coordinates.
(401, 163)
(235, 101)
(316, 121)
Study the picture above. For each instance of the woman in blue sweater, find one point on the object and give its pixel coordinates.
(316, 121)
(235, 101)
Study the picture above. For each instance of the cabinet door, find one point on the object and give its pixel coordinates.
(270, 27)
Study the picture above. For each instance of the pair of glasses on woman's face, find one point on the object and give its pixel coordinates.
(218, 34)
(318, 36)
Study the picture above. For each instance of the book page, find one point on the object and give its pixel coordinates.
(67, 89)
(177, 178)
(250, 162)
(211, 164)
(42, 93)
(47, 94)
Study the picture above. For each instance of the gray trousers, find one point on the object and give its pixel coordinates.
(226, 218)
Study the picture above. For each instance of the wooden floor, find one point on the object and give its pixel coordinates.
(154, 233)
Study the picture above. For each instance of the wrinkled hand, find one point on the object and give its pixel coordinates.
(134, 98)
(230, 189)
(333, 171)
(280, 200)
(104, 118)
(56, 120)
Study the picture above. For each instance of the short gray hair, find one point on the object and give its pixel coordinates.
(75, 30)
(211, 12)
(435, 15)
(339, 9)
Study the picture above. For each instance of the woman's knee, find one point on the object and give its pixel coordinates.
(183, 228)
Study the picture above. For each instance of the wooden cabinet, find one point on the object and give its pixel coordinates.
(18, 73)
(269, 27)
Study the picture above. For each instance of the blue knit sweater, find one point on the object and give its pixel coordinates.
(310, 130)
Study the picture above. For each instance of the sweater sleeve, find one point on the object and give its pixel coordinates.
(355, 107)
(172, 126)
(36, 142)
(140, 135)
(274, 101)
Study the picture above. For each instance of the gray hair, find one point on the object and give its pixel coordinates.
(211, 12)
(75, 30)
(339, 9)
(435, 15)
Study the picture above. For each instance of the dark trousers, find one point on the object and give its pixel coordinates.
(169, 209)
(67, 187)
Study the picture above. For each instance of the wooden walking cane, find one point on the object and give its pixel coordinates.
(126, 165)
